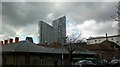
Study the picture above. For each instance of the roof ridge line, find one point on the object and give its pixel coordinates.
(18, 46)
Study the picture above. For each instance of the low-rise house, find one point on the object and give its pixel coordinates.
(27, 53)
(94, 40)
(106, 49)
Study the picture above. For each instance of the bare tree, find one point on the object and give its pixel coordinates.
(71, 45)
(116, 17)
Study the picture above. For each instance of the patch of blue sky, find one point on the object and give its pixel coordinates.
(67, 22)
(35, 39)
(68, 29)
(22, 37)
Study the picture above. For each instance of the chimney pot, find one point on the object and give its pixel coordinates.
(1, 43)
(30, 39)
(10, 40)
(16, 39)
(5, 41)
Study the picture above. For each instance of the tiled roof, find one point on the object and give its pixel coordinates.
(26, 46)
(105, 45)
(108, 45)
(93, 47)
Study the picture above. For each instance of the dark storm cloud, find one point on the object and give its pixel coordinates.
(20, 15)
(61, 1)
(0, 18)
(100, 11)
(25, 13)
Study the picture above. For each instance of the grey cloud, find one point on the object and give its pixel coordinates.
(101, 12)
(23, 14)
(18, 13)
(61, 1)
(106, 28)
(0, 17)
(8, 31)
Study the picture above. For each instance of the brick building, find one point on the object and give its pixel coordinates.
(106, 49)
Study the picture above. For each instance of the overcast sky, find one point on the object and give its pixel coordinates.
(88, 18)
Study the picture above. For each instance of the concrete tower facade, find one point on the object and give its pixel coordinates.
(54, 33)
(46, 33)
(60, 29)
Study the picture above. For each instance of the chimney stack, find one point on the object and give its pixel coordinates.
(30, 39)
(1, 43)
(5, 41)
(16, 39)
(10, 40)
